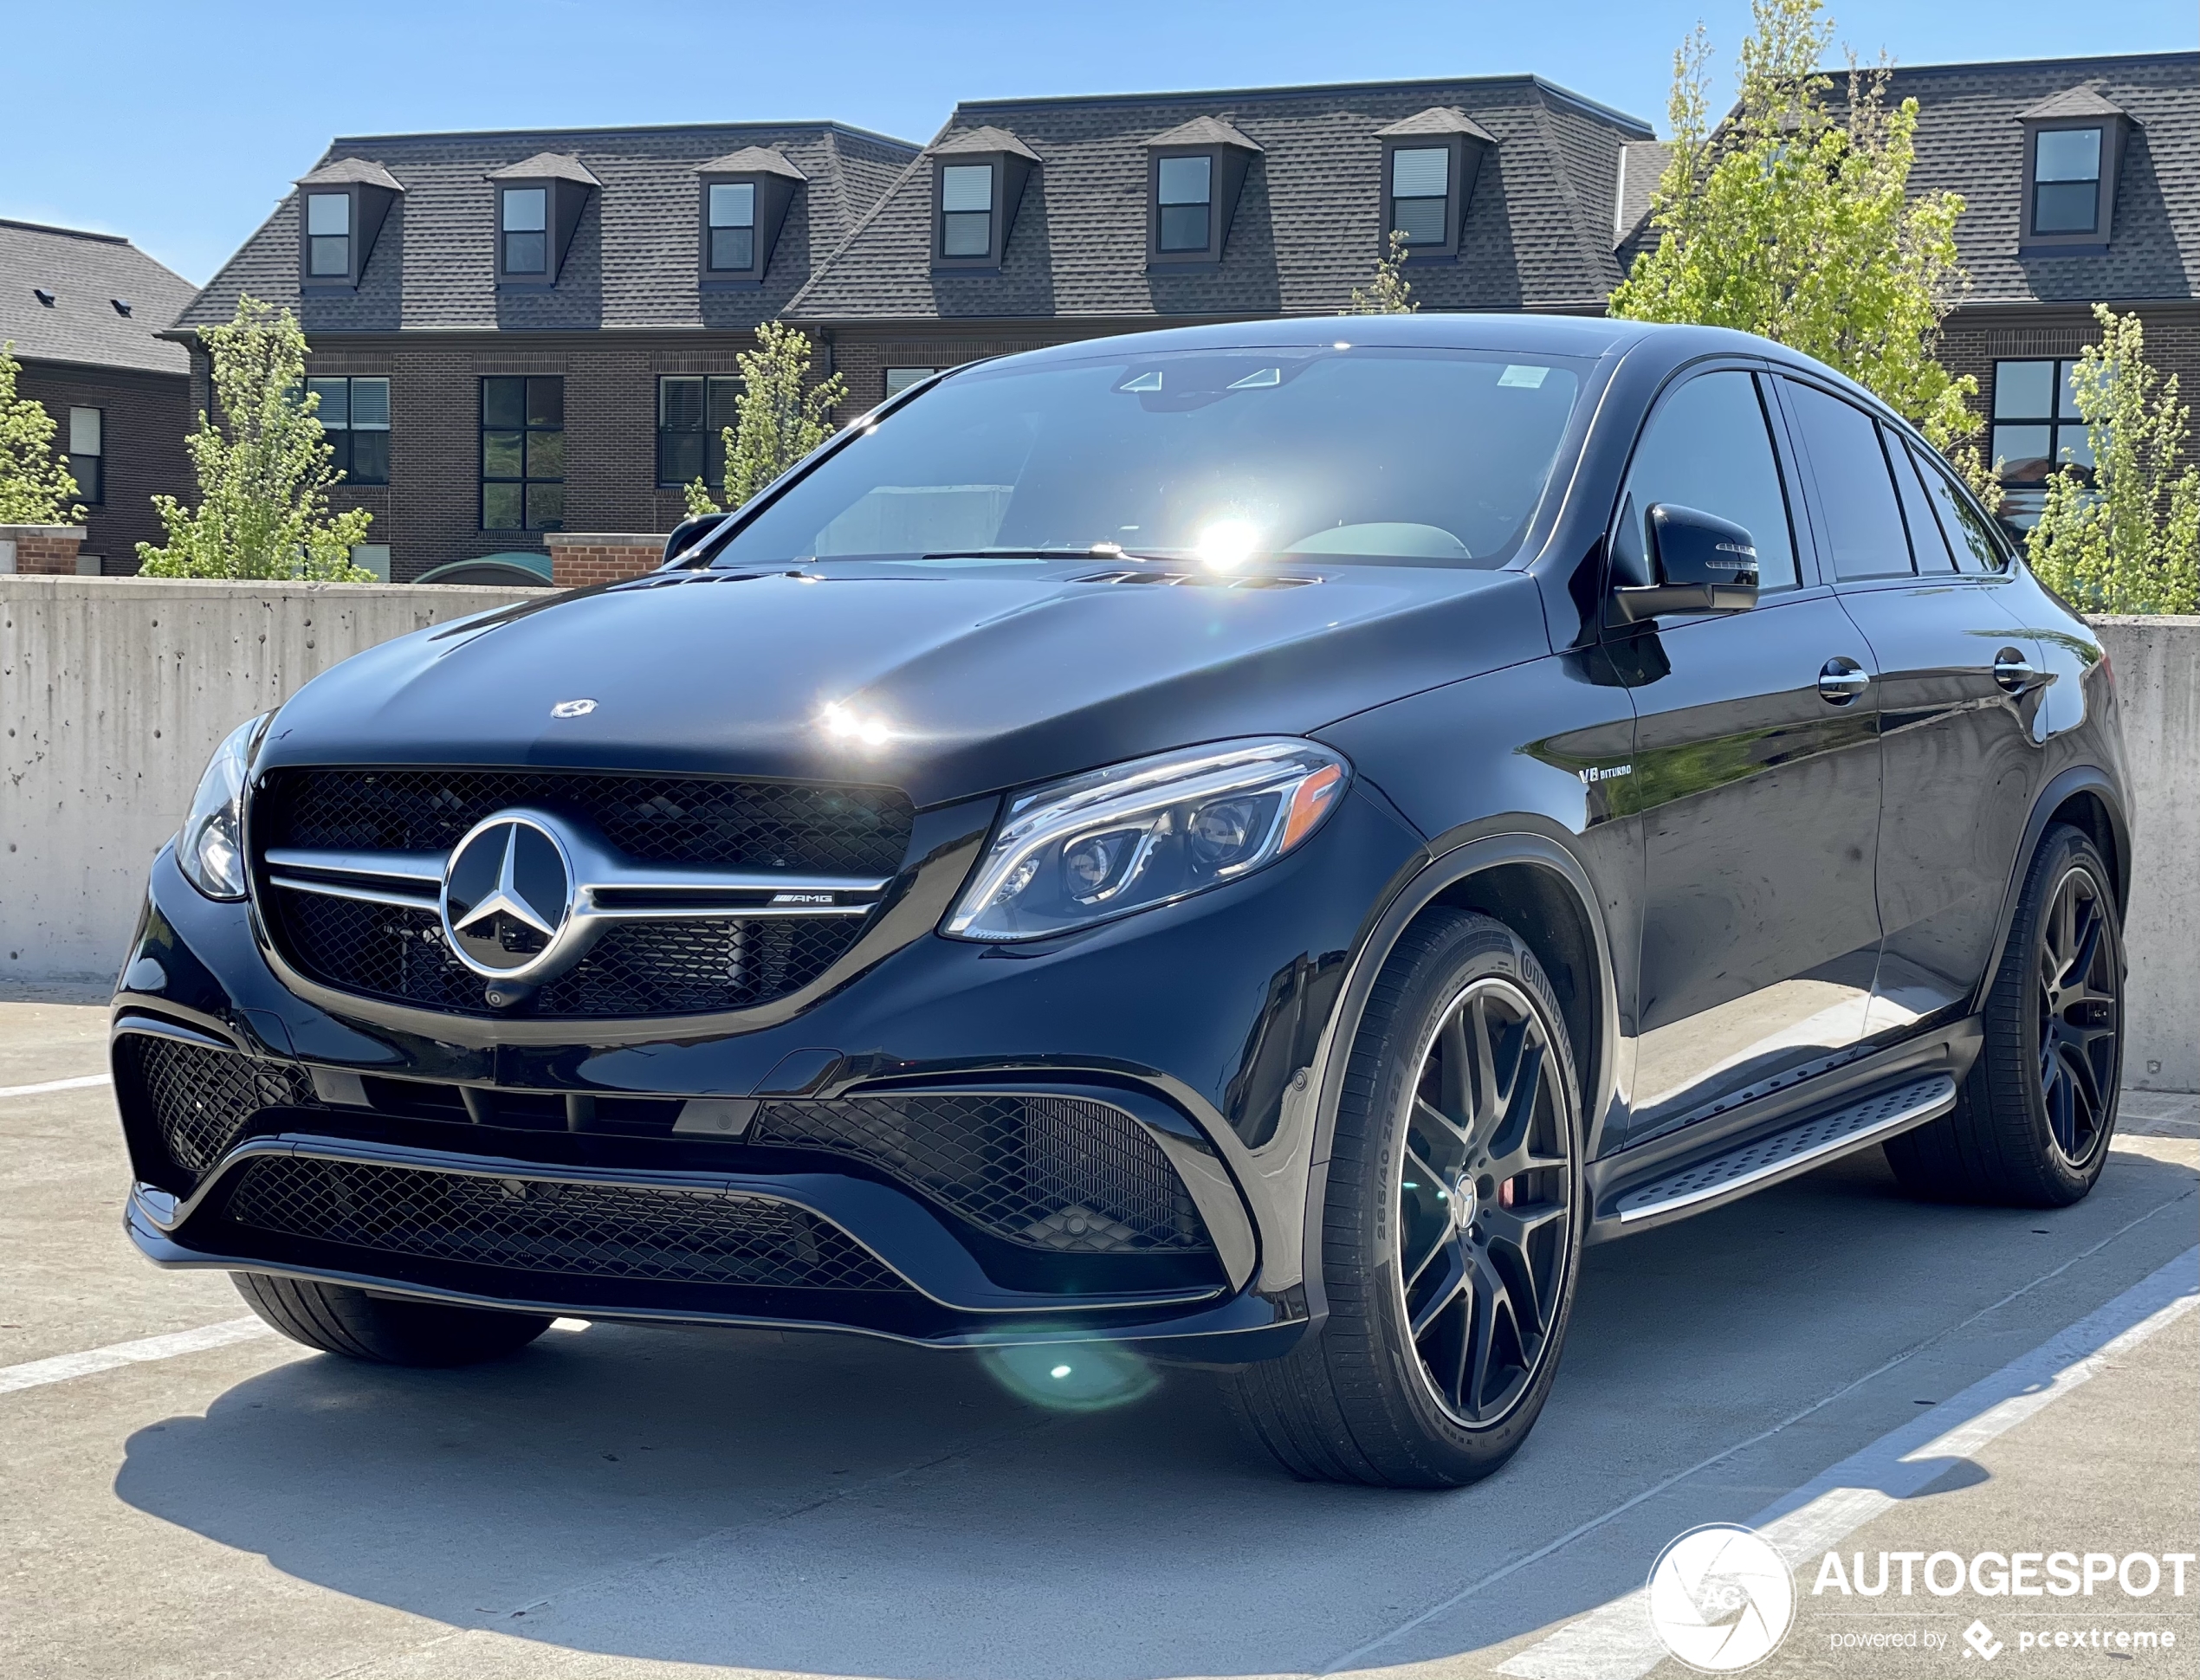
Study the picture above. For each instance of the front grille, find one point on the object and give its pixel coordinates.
(573, 1230)
(653, 820)
(635, 968)
(201, 1098)
(1049, 1172)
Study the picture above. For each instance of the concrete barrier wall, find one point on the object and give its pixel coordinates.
(113, 691)
(2157, 663)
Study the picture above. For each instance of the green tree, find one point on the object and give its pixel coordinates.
(2129, 539)
(778, 417)
(263, 473)
(36, 488)
(1787, 221)
(1387, 293)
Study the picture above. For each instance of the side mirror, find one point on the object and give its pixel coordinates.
(1702, 564)
(687, 532)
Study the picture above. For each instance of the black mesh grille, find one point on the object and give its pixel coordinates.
(577, 1230)
(638, 968)
(1051, 1173)
(635, 968)
(200, 1097)
(653, 820)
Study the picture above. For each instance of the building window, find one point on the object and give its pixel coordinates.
(693, 409)
(523, 453)
(2036, 433)
(87, 454)
(966, 210)
(524, 217)
(355, 415)
(2065, 180)
(899, 379)
(1420, 188)
(328, 235)
(733, 224)
(1185, 189)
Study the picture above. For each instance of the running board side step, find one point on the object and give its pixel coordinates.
(1783, 1154)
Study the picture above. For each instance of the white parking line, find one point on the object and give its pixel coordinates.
(1615, 1641)
(83, 1084)
(63, 1366)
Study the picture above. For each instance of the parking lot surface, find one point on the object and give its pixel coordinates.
(185, 1496)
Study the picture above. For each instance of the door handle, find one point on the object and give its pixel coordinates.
(1841, 682)
(2014, 672)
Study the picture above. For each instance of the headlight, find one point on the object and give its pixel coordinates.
(210, 850)
(1144, 833)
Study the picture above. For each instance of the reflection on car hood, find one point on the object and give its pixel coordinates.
(947, 685)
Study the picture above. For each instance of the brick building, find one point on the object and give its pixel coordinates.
(84, 312)
(514, 334)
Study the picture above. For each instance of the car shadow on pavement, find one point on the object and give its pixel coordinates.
(838, 1506)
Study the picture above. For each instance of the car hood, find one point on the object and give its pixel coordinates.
(947, 686)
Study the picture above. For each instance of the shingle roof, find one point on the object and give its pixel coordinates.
(1308, 227)
(984, 140)
(1203, 131)
(546, 166)
(2073, 102)
(1436, 119)
(632, 261)
(1970, 141)
(86, 272)
(751, 161)
(343, 171)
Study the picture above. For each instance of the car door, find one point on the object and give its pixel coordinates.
(1956, 677)
(1757, 773)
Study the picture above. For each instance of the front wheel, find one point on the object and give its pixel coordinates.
(1452, 1228)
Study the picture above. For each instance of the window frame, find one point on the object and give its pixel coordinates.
(349, 199)
(344, 439)
(564, 202)
(2055, 422)
(2091, 242)
(1227, 166)
(506, 190)
(1455, 191)
(917, 375)
(370, 202)
(96, 496)
(1010, 174)
(772, 194)
(525, 480)
(706, 430)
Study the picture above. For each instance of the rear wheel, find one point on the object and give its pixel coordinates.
(336, 1318)
(2033, 1120)
(1452, 1229)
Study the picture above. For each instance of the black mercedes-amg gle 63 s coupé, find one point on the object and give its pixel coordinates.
(1249, 844)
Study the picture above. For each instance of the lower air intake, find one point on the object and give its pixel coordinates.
(570, 1230)
(201, 1098)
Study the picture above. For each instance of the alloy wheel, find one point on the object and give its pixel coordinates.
(2081, 1014)
(1485, 1196)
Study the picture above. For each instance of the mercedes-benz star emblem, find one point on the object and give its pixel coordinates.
(508, 897)
(572, 708)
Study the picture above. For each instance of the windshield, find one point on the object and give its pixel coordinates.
(1346, 455)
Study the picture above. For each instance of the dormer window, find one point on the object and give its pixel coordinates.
(1195, 172)
(2065, 180)
(745, 198)
(1186, 196)
(978, 180)
(341, 209)
(539, 203)
(2072, 143)
(1420, 192)
(1430, 163)
(328, 235)
(524, 213)
(966, 210)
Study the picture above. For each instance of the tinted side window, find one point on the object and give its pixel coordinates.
(1855, 495)
(1926, 541)
(1707, 447)
(1966, 528)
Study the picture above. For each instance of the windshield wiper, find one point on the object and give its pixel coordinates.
(1098, 551)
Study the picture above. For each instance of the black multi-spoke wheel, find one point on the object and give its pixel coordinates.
(1484, 1197)
(2080, 1013)
(1450, 1229)
(2035, 1113)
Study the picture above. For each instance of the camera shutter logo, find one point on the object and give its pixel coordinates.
(1721, 1599)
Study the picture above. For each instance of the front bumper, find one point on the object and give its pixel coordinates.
(1194, 1020)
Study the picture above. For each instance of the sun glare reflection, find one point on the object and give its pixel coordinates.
(1092, 1376)
(1227, 544)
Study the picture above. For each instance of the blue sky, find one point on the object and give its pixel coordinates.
(181, 124)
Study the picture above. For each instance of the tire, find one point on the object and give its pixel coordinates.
(2033, 1116)
(1361, 1398)
(338, 1319)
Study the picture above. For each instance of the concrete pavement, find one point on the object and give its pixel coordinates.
(621, 1501)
